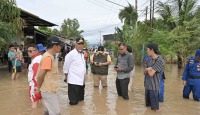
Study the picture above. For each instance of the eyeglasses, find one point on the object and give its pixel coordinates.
(121, 49)
(31, 51)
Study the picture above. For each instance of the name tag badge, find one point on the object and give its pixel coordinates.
(192, 61)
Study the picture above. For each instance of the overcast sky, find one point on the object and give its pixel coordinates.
(93, 15)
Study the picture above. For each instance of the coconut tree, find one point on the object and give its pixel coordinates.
(128, 15)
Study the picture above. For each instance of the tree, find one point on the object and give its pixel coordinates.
(10, 21)
(55, 32)
(175, 15)
(128, 15)
(185, 39)
(108, 44)
(70, 28)
(86, 43)
(45, 30)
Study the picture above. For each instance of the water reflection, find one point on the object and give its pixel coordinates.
(14, 96)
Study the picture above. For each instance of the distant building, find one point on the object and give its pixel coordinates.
(109, 37)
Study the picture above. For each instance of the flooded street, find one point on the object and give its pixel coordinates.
(14, 96)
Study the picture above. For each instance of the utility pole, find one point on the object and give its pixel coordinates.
(146, 15)
(100, 36)
(153, 14)
(136, 11)
(150, 12)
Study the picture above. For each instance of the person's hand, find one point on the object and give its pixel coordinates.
(65, 80)
(118, 69)
(17, 52)
(95, 63)
(184, 83)
(148, 69)
(37, 90)
(100, 64)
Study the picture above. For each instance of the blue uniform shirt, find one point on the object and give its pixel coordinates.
(13, 60)
(192, 68)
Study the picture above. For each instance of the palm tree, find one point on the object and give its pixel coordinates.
(128, 15)
(174, 16)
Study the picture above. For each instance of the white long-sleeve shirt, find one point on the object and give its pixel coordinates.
(75, 67)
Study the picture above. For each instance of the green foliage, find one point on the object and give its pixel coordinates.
(70, 29)
(108, 44)
(45, 30)
(10, 21)
(86, 43)
(128, 15)
(177, 32)
(115, 49)
(184, 40)
(48, 31)
(55, 32)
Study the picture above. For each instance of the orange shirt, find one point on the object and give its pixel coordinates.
(47, 64)
(85, 56)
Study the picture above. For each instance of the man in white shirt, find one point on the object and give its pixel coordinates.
(74, 69)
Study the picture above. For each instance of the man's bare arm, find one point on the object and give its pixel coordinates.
(40, 78)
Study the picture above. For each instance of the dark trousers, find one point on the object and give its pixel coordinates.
(122, 87)
(10, 66)
(195, 91)
(152, 99)
(75, 93)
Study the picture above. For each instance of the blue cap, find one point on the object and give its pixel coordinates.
(197, 53)
(41, 47)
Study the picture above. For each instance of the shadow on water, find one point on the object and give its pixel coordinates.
(14, 96)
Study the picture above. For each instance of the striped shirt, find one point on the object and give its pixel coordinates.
(153, 83)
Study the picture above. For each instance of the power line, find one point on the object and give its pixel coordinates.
(115, 3)
(92, 17)
(102, 28)
(95, 21)
(108, 16)
(115, 11)
(143, 4)
(100, 5)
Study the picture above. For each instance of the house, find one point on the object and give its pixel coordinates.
(109, 37)
(29, 34)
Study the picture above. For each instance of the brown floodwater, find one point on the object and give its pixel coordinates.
(14, 96)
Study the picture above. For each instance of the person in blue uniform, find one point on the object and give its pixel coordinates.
(191, 77)
(162, 78)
